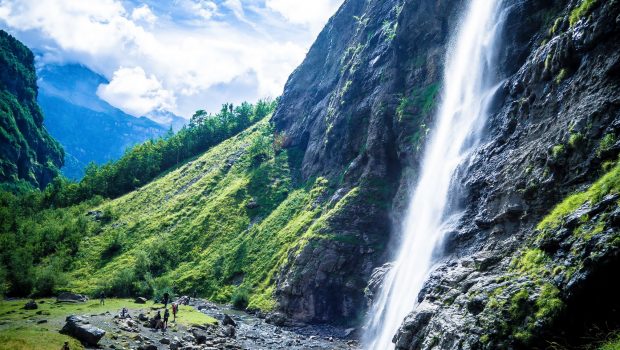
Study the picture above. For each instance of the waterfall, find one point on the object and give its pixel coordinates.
(469, 82)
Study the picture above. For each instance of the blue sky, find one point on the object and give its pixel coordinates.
(179, 55)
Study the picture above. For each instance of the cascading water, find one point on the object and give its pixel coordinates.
(469, 82)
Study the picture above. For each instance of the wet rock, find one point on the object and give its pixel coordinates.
(164, 341)
(228, 321)
(228, 331)
(276, 318)
(77, 328)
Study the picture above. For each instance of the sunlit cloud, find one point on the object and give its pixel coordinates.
(181, 56)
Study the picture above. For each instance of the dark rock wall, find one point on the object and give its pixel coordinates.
(358, 109)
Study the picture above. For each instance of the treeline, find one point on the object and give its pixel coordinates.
(144, 162)
(40, 231)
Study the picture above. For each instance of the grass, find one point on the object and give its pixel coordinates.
(35, 339)
(581, 10)
(17, 330)
(613, 344)
(609, 183)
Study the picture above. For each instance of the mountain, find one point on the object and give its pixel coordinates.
(513, 272)
(27, 151)
(299, 216)
(68, 97)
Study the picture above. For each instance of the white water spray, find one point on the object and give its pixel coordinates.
(469, 82)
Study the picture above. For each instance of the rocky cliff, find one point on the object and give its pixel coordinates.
(513, 273)
(27, 151)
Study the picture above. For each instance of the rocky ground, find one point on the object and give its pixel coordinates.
(233, 330)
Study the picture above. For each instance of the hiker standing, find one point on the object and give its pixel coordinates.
(66, 346)
(102, 298)
(175, 309)
(166, 317)
(166, 297)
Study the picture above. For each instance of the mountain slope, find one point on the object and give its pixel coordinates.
(27, 151)
(222, 225)
(68, 97)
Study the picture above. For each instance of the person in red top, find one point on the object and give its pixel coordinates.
(175, 308)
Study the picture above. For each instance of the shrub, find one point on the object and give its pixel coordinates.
(47, 278)
(240, 298)
(122, 283)
(575, 140)
(557, 151)
(607, 142)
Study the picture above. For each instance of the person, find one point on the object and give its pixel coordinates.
(158, 322)
(166, 297)
(66, 346)
(175, 309)
(102, 298)
(124, 313)
(166, 317)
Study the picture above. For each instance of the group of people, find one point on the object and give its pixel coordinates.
(162, 322)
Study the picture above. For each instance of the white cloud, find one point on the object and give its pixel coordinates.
(133, 91)
(143, 14)
(178, 55)
(313, 13)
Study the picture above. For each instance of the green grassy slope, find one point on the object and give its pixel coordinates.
(221, 226)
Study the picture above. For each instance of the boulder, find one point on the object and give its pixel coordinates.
(276, 319)
(67, 297)
(77, 328)
(142, 317)
(31, 305)
(147, 347)
(200, 338)
(140, 300)
(228, 331)
(228, 321)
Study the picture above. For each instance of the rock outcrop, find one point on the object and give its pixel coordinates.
(79, 329)
(358, 110)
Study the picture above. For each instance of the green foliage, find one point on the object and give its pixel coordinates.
(143, 163)
(561, 75)
(28, 152)
(240, 298)
(575, 140)
(611, 344)
(581, 10)
(557, 151)
(607, 142)
(609, 183)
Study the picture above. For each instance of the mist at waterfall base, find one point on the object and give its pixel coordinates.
(470, 80)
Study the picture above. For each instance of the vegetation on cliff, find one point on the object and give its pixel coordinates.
(27, 152)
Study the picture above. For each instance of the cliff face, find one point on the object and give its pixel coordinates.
(27, 151)
(359, 108)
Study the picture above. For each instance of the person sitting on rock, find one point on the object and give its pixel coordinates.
(125, 313)
(158, 322)
(166, 317)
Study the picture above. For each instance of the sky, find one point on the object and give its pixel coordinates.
(175, 55)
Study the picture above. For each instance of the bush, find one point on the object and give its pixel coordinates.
(121, 284)
(162, 286)
(48, 278)
(240, 298)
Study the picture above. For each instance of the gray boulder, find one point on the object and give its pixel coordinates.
(140, 300)
(77, 328)
(68, 297)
